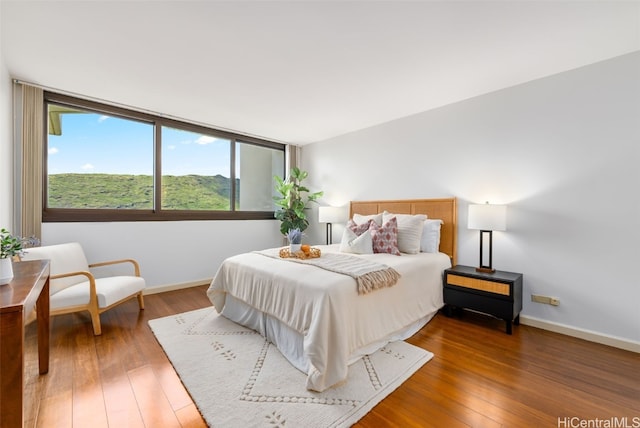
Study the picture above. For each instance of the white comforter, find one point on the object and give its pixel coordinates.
(325, 307)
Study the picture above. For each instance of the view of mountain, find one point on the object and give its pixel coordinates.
(185, 192)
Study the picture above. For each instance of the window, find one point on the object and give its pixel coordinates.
(196, 171)
(105, 163)
(98, 161)
(255, 167)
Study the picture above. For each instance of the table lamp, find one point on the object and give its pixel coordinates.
(330, 215)
(487, 218)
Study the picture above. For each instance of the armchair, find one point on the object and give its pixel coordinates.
(73, 288)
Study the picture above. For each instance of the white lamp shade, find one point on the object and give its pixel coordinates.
(331, 215)
(488, 217)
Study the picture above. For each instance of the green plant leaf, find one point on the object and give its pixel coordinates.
(293, 201)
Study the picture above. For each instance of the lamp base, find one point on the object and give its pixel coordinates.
(329, 234)
(486, 268)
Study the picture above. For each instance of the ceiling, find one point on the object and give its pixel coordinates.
(304, 71)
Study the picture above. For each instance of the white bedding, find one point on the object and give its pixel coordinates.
(325, 308)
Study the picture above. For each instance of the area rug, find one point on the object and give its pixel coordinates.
(238, 379)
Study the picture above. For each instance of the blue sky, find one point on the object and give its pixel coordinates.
(94, 143)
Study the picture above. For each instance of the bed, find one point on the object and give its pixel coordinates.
(316, 317)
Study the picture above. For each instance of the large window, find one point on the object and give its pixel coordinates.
(98, 161)
(107, 164)
(196, 171)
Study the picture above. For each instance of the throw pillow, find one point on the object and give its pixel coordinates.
(385, 237)
(430, 241)
(409, 230)
(360, 219)
(352, 243)
(359, 229)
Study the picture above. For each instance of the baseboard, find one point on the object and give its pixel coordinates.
(591, 336)
(180, 286)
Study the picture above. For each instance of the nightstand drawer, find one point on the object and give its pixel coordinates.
(478, 284)
(495, 306)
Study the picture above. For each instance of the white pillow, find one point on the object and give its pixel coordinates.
(409, 230)
(430, 242)
(360, 219)
(351, 243)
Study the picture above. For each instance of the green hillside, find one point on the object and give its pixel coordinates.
(190, 192)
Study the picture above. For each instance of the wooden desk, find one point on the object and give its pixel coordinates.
(28, 289)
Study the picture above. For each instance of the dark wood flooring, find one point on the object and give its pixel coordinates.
(479, 377)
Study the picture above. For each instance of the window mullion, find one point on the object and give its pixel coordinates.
(157, 168)
(232, 187)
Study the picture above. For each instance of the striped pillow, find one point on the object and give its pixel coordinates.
(410, 229)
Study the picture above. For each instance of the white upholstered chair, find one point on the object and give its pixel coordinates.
(73, 288)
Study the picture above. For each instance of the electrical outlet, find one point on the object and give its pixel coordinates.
(540, 299)
(547, 300)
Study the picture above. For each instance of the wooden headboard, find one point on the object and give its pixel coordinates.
(443, 209)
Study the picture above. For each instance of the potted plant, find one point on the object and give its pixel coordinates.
(293, 201)
(10, 246)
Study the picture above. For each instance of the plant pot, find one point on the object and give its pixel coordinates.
(294, 248)
(6, 271)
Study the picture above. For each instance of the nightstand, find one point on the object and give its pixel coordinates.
(498, 293)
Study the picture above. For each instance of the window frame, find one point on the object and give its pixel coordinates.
(157, 213)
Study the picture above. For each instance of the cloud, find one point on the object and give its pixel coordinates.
(102, 118)
(53, 150)
(87, 167)
(205, 139)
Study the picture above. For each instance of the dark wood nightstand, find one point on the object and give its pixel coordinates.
(498, 293)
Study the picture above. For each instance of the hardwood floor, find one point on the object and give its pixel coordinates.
(479, 377)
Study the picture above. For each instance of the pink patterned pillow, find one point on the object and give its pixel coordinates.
(359, 229)
(385, 237)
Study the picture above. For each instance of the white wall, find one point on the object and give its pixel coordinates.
(563, 152)
(6, 152)
(169, 253)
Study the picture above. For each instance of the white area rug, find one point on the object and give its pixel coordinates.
(237, 379)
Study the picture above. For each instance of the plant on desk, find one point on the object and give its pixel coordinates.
(11, 246)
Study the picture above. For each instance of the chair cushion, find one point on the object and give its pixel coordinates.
(63, 258)
(109, 290)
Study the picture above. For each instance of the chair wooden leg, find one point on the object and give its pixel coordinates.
(140, 300)
(95, 320)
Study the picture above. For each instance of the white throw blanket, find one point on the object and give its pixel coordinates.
(368, 274)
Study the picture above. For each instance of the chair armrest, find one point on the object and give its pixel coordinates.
(136, 266)
(68, 274)
(93, 296)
